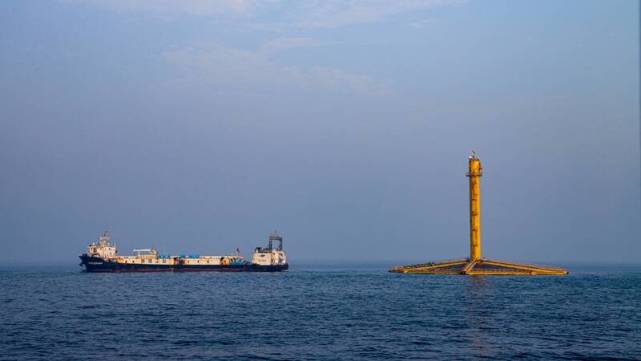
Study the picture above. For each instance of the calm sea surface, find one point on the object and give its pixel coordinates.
(318, 313)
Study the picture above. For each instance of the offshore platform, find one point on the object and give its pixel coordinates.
(475, 265)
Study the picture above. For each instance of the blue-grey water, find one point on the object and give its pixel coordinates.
(318, 313)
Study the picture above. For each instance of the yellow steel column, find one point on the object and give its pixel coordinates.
(475, 266)
(474, 173)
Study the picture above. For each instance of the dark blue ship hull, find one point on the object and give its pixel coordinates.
(96, 264)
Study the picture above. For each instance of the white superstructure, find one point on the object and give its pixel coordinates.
(270, 256)
(103, 248)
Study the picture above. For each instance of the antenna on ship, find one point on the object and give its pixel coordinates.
(104, 237)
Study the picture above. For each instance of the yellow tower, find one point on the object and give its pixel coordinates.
(475, 265)
(474, 173)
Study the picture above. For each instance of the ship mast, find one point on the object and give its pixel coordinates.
(274, 236)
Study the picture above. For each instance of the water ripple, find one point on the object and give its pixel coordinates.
(311, 314)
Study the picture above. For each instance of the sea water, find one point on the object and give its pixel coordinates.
(318, 313)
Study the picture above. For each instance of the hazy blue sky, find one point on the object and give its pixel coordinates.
(199, 126)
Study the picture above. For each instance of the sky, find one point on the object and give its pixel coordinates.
(200, 126)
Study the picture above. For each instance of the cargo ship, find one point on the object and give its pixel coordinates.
(102, 256)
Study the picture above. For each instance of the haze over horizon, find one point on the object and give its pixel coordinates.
(198, 127)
